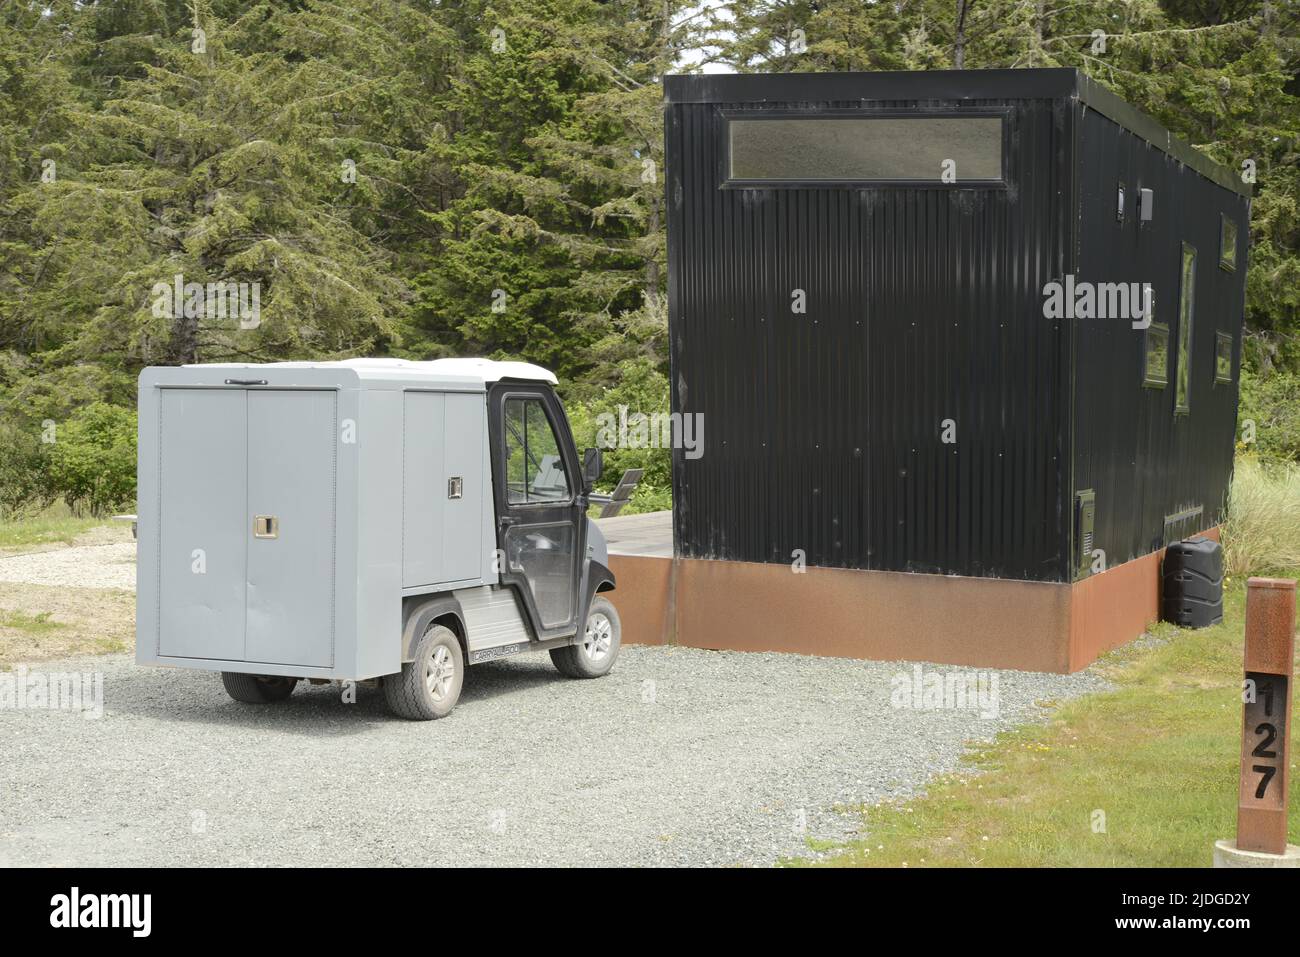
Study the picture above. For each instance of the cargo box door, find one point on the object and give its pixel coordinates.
(290, 527)
(201, 503)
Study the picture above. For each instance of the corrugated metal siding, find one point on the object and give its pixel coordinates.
(1145, 462)
(822, 430)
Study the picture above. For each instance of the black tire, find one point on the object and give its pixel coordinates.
(257, 689)
(595, 652)
(416, 693)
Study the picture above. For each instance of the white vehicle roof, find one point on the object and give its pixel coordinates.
(461, 371)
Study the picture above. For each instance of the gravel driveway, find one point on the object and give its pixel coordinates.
(83, 566)
(678, 757)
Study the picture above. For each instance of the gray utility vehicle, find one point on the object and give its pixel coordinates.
(368, 519)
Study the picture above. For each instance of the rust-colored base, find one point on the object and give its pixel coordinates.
(643, 597)
(890, 616)
(1113, 608)
(879, 615)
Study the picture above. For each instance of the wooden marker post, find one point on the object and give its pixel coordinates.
(1266, 715)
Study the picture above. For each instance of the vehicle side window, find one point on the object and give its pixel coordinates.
(534, 465)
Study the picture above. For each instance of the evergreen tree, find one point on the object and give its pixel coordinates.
(1222, 75)
(418, 178)
(210, 166)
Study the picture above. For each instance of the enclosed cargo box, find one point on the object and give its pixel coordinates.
(299, 519)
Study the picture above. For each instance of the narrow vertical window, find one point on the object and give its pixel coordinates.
(1155, 373)
(1186, 309)
(1223, 358)
(1227, 243)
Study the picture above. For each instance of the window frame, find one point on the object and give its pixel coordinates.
(1228, 263)
(505, 454)
(727, 116)
(1223, 338)
(1148, 382)
(1186, 320)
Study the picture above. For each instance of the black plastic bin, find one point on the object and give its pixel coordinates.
(1192, 581)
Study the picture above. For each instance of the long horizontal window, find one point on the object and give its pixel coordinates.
(847, 149)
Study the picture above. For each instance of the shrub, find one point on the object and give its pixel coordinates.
(642, 389)
(1273, 404)
(649, 498)
(1262, 533)
(24, 473)
(92, 461)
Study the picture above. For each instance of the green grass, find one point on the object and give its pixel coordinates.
(1263, 528)
(55, 525)
(1158, 757)
(39, 624)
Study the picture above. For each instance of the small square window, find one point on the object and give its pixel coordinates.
(1156, 371)
(1227, 243)
(1223, 358)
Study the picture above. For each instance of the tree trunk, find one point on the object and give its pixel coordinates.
(652, 264)
(183, 346)
(959, 35)
(1038, 32)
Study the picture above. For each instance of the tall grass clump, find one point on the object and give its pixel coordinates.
(1262, 533)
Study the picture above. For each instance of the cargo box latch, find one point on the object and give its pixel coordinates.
(455, 487)
(266, 526)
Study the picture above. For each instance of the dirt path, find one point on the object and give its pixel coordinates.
(57, 601)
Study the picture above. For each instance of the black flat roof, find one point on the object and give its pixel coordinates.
(892, 85)
(1027, 84)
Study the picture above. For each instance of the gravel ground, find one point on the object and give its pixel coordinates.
(678, 757)
(83, 566)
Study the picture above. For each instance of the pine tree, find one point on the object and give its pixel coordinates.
(552, 248)
(209, 166)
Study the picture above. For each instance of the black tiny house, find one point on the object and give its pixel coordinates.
(861, 307)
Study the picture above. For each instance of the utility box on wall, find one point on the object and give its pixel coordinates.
(922, 312)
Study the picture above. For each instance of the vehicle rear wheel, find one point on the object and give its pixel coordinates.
(594, 655)
(429, 686)
(257, 689)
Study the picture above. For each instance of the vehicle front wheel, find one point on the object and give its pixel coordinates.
(428, 687)
(257, 689)
(594, 655)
